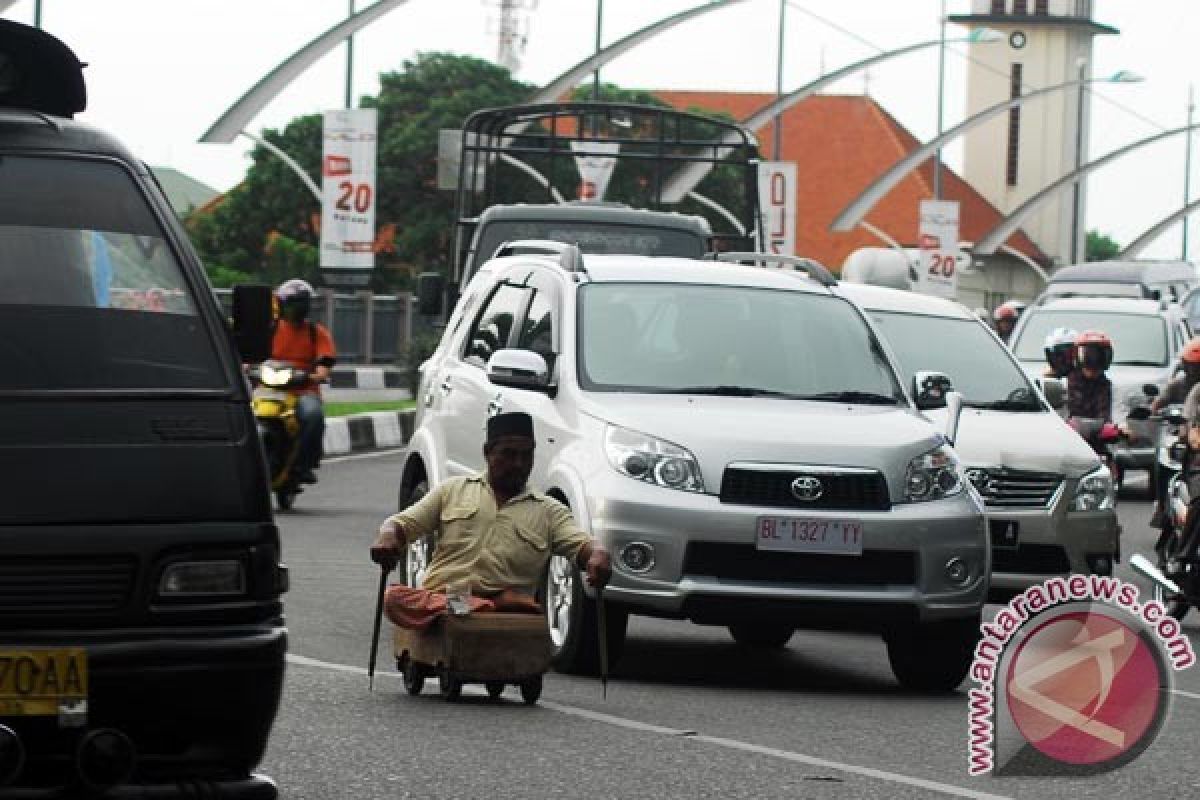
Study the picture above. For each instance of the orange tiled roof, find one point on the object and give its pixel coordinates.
(841, 144)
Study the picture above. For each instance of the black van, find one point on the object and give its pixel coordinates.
(142, 639)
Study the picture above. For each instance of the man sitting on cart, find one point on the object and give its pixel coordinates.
(495, 533)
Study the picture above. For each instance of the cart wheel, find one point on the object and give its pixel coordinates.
(495, 689)
(414, 678)
(531, 690)
(451, 688)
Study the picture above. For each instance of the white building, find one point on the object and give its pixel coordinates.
(1014, 155)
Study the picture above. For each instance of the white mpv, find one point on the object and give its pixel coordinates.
(736, 436)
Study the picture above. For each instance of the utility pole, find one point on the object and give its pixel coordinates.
(937, 157)
(511, 29)
(778, 129)
(1187, 166)
(1077, 197)
(37, 13)
(599, 29)
(350, 65)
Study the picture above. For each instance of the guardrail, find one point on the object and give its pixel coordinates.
(367, 328)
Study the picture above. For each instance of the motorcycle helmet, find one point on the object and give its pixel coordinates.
(1189, 360)
(1060, 351)
(1009, 310)
(1094, 350)
(295, 299)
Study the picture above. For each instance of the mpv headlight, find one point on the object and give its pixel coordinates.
(933, 475)
(202, 579)
(1095, 492)
(645, 458)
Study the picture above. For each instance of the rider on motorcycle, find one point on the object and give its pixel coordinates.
(1089, 391)
(1005, 316)
(1059, 348)
(1177, 392)
(307, 346)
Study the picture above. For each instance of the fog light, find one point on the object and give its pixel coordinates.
(105, 758)
(638, 557)
(12, 755)
(957, 571)
(1100, 563)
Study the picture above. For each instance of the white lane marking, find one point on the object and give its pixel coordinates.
(1182, 693)
(734, 744)
(358, 456)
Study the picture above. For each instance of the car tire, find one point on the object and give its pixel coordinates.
(761, 635)
(933, 656)
(419, 553)
(574, 627)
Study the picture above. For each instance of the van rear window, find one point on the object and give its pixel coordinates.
(91, 295)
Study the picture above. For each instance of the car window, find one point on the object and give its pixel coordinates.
(669, 337)
(1091, 289)
(977, 364)
(493, 330)
(93, 297)
(537, 333)
(593, 237)
(1138, 339)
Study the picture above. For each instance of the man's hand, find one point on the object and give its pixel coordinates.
(598, 567)
(1193, 437)
(386, 549)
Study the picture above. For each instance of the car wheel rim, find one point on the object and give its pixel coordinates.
(559, 587)
(417, 563)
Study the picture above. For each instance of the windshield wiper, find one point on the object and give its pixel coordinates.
(728, 391)
(1135, 363)
(868, 398)
(1007, 405)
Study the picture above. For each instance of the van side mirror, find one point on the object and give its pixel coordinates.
(931, 389)
(431, 289)
(518, 369)
(1055, 392)
(253, 321)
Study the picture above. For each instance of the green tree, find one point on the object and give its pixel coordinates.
(1100, 247)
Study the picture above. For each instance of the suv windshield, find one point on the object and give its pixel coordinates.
(731, 340)
(93, 297)
(1138, 339)
(593, 237)
(977, 364)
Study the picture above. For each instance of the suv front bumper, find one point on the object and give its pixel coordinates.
(707, 568)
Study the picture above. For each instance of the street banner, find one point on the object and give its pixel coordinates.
(595, 161)
(348, 192)
(777, 204)
(938, 242)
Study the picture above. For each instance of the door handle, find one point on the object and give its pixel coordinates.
(496, 406)
(445, 386)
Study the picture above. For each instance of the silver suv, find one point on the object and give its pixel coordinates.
(735, 435)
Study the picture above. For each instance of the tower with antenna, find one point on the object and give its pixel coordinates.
(510, 25)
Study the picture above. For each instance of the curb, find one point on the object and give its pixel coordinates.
(376, 430)
(367, 378)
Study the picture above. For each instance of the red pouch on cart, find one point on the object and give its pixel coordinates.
(416, 609)
(516, 601)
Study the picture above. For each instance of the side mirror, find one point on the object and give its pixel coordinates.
(931, 389)
(1175, 417)
(1150, 389)
(253, 322)
(518, 369)
(431, 288)
(1055, 392)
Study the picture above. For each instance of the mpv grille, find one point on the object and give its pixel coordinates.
(1008, 488)
(741, 562)
(1037, 559)
(834, 490)
(60, 586)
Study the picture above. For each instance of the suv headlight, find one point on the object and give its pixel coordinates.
(933, 475)
(645, 458)
(1095, 492)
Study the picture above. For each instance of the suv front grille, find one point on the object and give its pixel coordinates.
(743, 562)
(848, 491)
(1010, 488)
(1037, 559)
(52, 586)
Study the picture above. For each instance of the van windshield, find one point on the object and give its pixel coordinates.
(91, 295)
(1138, 339)
(977, 364)
(729, 340)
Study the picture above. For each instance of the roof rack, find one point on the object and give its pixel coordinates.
(569, 255)
(814, 269)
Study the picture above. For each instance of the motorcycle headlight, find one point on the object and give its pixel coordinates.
(645, 458)
(1095, 492)
(933, 475)
(275, 377)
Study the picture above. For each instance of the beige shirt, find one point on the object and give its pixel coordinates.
(493, 548)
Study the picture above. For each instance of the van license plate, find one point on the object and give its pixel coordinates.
(39, 683)
(809, 535)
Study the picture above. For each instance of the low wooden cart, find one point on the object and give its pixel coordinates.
(493, 648)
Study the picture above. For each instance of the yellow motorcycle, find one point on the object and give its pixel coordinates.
(278, 424)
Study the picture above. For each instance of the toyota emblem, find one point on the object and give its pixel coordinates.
(806, 488)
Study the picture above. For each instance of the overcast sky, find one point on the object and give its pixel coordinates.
(162, 71)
